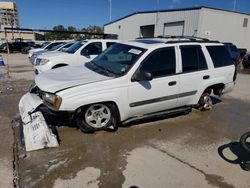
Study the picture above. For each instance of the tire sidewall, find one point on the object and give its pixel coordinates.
(112, 125)
(243, 141)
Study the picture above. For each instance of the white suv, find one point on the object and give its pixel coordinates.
(80, 52)
(133, 80)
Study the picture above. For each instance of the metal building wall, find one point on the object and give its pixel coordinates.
(225, 26)
(129, 28)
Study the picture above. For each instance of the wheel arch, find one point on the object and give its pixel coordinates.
(59, 65)
(102, 102)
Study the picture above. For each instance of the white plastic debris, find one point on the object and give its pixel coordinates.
(37, 134)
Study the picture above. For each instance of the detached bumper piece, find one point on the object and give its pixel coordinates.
(37, 134)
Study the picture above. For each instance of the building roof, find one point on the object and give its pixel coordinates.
(174, 10)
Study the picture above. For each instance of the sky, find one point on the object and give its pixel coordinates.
(44, 14)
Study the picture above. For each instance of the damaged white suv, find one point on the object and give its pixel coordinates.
(134, 80)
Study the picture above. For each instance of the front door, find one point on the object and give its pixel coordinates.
(161, 93)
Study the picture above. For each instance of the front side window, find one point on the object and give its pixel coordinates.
(118, 59)
(94, 48)
(220, 56)
(193, 59)
(160, 63)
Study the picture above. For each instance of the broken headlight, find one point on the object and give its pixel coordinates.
(32, 86)
(52, 99)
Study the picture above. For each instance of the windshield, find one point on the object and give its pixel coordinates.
(57, 47)
(45, 44)
(118, 58)
(72, 49)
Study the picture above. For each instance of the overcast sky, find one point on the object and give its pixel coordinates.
(81, 13)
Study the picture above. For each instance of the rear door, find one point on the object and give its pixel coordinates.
(161, 93)
(194, 73)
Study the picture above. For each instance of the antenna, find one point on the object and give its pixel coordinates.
(235, 5)
(110, 10)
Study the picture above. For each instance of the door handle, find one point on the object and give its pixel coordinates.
(172, 83)
(206, 77)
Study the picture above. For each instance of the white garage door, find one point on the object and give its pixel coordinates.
(174, 28)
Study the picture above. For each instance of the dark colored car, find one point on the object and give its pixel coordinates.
(233, 51)
(31, 44)
(15, 46)
(246, 61)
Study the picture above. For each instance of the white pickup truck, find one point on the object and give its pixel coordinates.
(80, 52)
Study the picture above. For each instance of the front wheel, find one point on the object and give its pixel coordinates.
(99, 116)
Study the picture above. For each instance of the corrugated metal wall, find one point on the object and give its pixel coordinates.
(129, 28)
(225, 26)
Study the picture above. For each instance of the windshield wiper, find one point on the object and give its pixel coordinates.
(108, 72)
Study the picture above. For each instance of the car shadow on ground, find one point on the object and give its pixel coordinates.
(241, 156)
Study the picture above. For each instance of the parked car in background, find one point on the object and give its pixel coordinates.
(13, 46)
(80, 52)
(59, 48)
(243, 52)
(246, 61)
(133, 80)
(31, 45)
(49, 46)
(233, 51)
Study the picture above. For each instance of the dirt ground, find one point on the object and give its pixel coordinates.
(200, 149)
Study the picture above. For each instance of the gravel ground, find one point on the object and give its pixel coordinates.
(194, 150)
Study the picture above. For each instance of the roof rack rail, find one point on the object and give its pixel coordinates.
(189, 38)
(181, 38)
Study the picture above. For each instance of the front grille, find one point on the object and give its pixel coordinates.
(38, 60)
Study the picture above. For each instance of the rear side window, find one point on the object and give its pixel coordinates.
(193, 59)
(160, 63)
(220, 56)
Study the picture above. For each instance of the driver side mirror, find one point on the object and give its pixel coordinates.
(142, 75)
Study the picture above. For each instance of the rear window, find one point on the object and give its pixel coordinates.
(220, 56)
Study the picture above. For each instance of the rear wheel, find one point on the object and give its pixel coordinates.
(100, 116)
(205, 102)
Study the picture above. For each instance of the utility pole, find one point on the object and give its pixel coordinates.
(234, 5)
(110, 10)
(157, 14)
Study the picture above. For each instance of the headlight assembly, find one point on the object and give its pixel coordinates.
(44, 61)
(53, 100)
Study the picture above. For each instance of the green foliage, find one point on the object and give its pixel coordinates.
(65, 36)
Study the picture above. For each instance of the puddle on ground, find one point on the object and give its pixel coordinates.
(108, 151)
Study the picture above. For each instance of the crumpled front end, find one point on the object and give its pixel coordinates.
(37, 134)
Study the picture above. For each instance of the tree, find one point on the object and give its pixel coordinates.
(64, 36)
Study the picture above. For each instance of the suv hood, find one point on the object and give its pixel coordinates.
(66, 77)
(50, 54)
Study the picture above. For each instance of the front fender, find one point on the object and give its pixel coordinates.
(75, 102)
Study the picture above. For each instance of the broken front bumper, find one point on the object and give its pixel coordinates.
(37, 134)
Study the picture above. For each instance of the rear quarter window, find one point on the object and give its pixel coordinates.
(220, 56)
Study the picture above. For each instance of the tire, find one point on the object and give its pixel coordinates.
(205, 102)
(243, 140)
(99, 116)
